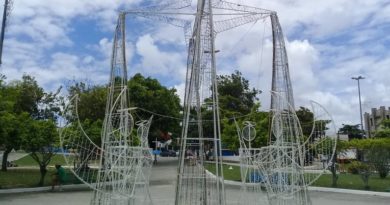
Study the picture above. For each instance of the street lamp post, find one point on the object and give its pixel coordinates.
(360, 101)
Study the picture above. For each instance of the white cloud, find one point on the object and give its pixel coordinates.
(156, 61)
(329, 41)
(180, 91)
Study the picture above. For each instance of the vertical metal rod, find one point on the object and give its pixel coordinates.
(217, 125)
(360, 101)
(3, 30)
(360, 107)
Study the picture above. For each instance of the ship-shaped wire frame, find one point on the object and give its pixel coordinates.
(291, 161)
(119, 169)
(280, 172)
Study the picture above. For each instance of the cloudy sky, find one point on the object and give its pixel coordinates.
(328, 42)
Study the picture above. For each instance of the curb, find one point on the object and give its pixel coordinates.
(44, 189)
(349, 191)
(76, 187)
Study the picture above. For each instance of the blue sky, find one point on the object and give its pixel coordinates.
(328, 42)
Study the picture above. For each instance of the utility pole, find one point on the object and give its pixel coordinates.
(3, 25)
(360, 101)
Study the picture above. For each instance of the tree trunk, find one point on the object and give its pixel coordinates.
(333, 169)
(43, 170)
(5, 159)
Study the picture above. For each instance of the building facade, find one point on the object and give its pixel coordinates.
(372, 121)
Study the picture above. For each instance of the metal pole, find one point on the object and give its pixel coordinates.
(3, 29)
(360, 101)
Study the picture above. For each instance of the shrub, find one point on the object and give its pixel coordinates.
(354, 167)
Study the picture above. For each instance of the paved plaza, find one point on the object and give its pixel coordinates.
(163, 191)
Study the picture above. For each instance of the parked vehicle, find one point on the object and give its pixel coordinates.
(168, 153)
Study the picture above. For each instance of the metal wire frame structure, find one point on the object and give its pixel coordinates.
(201, 131)
(252, 180)
(280, 167)
(284, 172)
(200, 139)
(119, 169)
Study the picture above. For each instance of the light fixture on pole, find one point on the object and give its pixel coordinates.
(360, 101)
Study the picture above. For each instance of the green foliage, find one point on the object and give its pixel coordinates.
(145, 93)
(39, 139)
(352, 131)
(20, 102)
(235, 94)
(385, 123)
(93, 129)
(237, 100)
(376, 152)
(379, 157)
(324, 145)
(384, 132)
(149, 94)
(357, 167)
(92, 103)
(306, 118)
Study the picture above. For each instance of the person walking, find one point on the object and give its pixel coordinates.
(58, 178)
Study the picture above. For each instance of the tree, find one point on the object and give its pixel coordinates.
(147, 94)
(91, 108)
(10, 132)
(235, 95)
(376, 152)
(28, 120)
(10, 124)
(238, 101)
(5, 118)
(151, 97)
(261, 121)
(352, 131)
(39, 138)
(384, 132)
(92, 101)
(306, 118)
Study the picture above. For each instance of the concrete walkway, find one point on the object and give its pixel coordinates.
(164, 195)
(13, 156)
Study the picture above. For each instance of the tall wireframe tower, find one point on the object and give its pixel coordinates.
(201, 131)
(280, 166)
(118, 171)
(194, 184)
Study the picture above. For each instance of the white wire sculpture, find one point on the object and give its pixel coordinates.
(252, 180)
(291, 161)
(121, 166)
(118, 171)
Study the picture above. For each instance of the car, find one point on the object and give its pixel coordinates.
(168, 153)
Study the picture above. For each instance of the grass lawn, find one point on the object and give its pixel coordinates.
(29, 176)
(29, 161)
(27, 173)
(352, 181)
(345, 181)
(18, 178)
(233, 174)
